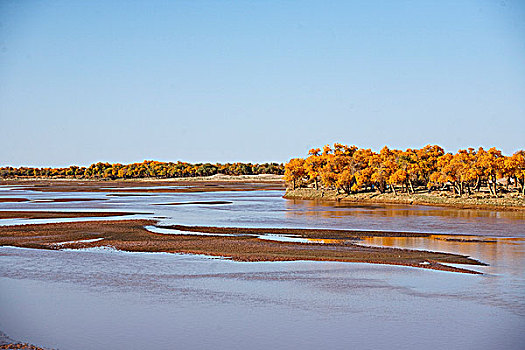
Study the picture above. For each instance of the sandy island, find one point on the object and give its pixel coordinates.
(244, 245)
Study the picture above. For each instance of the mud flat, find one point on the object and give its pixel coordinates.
(12, 214)
(510, 202)
(13, 200)
(214, 183)
(245, 245)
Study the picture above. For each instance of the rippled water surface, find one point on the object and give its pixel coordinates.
(101, 298)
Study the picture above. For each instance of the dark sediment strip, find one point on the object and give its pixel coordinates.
(130, 235)
(11, 214)
(13, 200)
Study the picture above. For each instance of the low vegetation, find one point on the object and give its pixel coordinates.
(146, 169)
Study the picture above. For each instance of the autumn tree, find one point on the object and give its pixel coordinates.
(295, 172)
(491, 164)
(313, 164)
(514, 167)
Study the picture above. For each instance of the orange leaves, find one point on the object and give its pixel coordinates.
(515, 165)
(353, 169)
(147, 168)
(294, 168)
(294, 171)
(314, 151)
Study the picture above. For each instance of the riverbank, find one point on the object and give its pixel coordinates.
(242, 244)
(512, 202)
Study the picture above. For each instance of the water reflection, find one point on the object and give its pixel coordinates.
(411, 217)
(330, 209)
(505, 274)
(504, 255)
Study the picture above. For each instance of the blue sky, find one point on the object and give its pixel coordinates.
(124, 81)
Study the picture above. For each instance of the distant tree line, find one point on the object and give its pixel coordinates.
(352, 169)
(146, 169)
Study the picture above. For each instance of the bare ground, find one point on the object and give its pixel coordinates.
(198, 184)
(11, 214)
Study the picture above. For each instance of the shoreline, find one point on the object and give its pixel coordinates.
(476, 202)
(243, 244)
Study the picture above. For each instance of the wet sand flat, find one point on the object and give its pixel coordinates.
(131, 235)
(11, 214)
(13, 200)
(178, 185)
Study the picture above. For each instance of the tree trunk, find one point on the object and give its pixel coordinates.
(478, 184)
(490, 188)
(393, 189)
(316, 184)
(293, 184)
(459, 186)
(411, 186)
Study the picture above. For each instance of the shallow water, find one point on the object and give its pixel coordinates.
(101, 298)
(97, 299)
(269, 209)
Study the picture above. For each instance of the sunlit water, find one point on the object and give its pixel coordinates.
(101, 298)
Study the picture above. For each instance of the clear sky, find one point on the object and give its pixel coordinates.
(124, 81)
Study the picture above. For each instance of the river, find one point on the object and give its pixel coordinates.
(102, 298)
